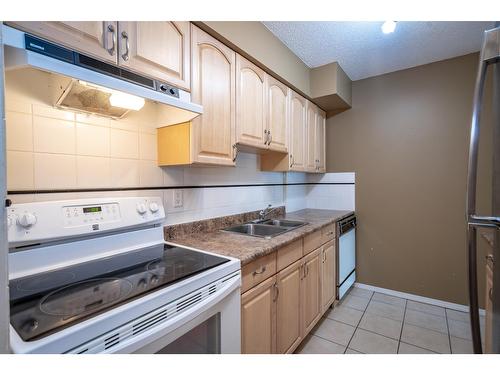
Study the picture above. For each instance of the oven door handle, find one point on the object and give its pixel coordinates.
(135, 343)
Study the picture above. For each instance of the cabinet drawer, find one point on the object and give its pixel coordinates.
(257, 271)
(289, 254)
(312, 241)
(328, 232)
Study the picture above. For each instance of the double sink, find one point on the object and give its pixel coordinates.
(265, 228)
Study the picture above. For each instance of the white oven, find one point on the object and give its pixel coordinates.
(96, 276)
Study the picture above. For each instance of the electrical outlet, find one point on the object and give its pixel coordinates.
(178, 198)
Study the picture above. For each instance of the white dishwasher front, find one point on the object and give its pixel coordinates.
(346, 271)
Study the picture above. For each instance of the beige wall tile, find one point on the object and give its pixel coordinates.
(53, 135)
(21, 198)
(19, 170)
(124, 125)
(19, 131)
(92, 120)
(53, 171)
(92, 140)
(150, 173)
(148, 146)
(92, 172)
(40, 110)
(17, 106)
(124, 172)
(124, 144)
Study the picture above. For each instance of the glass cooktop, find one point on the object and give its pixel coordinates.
(47, 302)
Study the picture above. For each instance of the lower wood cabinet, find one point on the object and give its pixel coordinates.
(289, 283)
(327, 275)
(258, 318)
(311, 291)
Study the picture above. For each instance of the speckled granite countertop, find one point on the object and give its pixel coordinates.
(247, 248)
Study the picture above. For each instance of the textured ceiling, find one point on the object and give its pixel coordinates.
(364, 51)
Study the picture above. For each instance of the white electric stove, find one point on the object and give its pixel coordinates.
(96, 276)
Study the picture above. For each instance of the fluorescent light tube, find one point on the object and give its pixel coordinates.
(388, 27)
(123, 100)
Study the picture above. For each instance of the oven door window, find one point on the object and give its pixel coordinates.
(202, 339)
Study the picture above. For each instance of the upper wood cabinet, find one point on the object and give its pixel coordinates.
(159, 49)
(327, 275)
(95, 38)
(311, 144)
(320, 141)
(298, 134)
(277, 114)
(258, 318)
(213, 86)
(250, 104)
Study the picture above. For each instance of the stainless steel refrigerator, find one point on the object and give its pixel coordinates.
(489, 59)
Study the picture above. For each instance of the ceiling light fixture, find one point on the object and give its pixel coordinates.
(388, 27)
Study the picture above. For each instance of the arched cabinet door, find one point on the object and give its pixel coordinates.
(213, 86)
(298, 135)
(158, 49)
(277, 115)
(250, 104)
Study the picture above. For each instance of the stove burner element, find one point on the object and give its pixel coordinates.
(45, 282)
(84, 297)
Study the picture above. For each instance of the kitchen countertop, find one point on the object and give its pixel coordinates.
(248, 248)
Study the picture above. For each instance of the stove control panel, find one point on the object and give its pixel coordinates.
(30, 223)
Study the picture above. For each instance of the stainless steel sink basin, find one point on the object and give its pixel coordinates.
(265, 229)
(284, 223)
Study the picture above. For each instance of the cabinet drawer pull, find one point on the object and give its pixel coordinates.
(330, 233)
(125, 55)
(490, 258)
(276, 291)
(111, 29)
(262, 270)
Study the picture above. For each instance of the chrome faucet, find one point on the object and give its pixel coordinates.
(266, 211)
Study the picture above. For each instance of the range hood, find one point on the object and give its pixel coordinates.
(84, 84)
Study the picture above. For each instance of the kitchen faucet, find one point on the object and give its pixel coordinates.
(266, 211)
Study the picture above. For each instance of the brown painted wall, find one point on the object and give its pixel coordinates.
(406, 137)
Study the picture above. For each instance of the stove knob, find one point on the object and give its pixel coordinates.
(141, 208)
(154, 280)
(30, 325)
(142, 283)
(154, 207)
(26, 220)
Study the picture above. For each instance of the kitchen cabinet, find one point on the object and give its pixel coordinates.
(327, 275)
(158, 49)
(94, 38)
(298, 135)
(251, 101)
(320, 141)
(289, 286)
(277, 114)
(310, 141)
(311, 291)
(258, 318)
(489, 305)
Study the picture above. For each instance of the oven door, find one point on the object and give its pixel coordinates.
(210, 324)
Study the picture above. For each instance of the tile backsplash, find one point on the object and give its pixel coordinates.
(50, 148)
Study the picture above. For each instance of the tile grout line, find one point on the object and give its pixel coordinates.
(448, 329)
(402, 325)
(357, 325)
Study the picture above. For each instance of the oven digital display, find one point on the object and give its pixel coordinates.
(87, 210)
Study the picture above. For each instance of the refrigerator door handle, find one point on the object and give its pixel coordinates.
(490, 54)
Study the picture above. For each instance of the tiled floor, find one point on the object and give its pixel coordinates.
(368, 322)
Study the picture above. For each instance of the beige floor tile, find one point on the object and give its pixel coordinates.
(332, 330)
(381, 325)
(426, 308)
(459, 329)
(425, 338)
(405, 348)
(461, 346)
(424, 320)
(317, 345)
(352, 351)
(388, 299)
(386, 310)
(368, 342)
(346, 315)
(359, 292)
(354, 302)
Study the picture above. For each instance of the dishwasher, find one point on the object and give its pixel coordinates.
(346, 255)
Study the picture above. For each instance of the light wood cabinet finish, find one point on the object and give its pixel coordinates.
(94, 38)
(277, 114)
(288, 332)
(488, 308)
(257, 271)
(328, 232)
(311, 291)
(289, 254)
(327, 275)
(320, 141)
(251, 103)
(258, 318)
(213, 86)
(297, 132)
(312, 241)
(158, 49)
(310, 141)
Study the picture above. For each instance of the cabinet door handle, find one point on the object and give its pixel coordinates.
(270, 137)
(125, 56)
(266, 136)
(490, 258)
(291, 160)
(276, 291)
(262, 270)
(235, 152)
(111, 29)
(307, 270)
